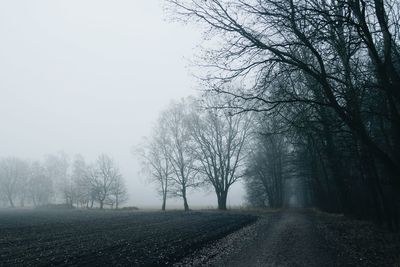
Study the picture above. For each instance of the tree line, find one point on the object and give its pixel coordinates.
(325, 75)
(56, 180)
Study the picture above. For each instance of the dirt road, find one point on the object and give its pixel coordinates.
(287, 238)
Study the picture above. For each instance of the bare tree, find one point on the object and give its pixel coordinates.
(118, 193)
(102, 177)
(57, 167)
(220, 140)
(91, 181)
(174, 122)
(80, 178)
(13, 176)
(266, 165)
(40, 185)
(155, 162)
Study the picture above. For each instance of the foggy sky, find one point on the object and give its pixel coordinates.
(91, 77)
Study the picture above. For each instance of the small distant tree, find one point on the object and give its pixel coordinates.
(57, 167)
(91, 181)
(119, 193)
(103, 176)
(13, 175)
(80, 178)
(155, 162)
(40, 185)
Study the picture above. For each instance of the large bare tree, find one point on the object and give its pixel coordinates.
(220, 141)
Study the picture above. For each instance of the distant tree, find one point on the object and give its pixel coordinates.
(80, 178)
(40, 185)
(266, 166)
(118, 193)
(179, 142)
(13, 176)
(103, 176)
(57, 167)
(92, 182)
(155, 161)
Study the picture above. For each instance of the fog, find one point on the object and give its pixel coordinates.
(91, 77)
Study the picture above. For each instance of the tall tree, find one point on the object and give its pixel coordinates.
(156, 163)
(219, 148)
(266, 167)
(174, 122)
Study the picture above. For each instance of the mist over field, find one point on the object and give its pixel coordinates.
(92, 77)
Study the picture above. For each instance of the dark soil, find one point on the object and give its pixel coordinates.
(96, 238)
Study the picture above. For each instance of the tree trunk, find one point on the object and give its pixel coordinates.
(222, 200)
(164, 202)
(11, 202)
(185, 204)
(101, 204)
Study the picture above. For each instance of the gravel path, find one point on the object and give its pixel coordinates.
(287, 238)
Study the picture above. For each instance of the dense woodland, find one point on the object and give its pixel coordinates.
(56, 182)
(323, 77)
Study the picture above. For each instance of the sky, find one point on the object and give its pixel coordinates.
(91, 77)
